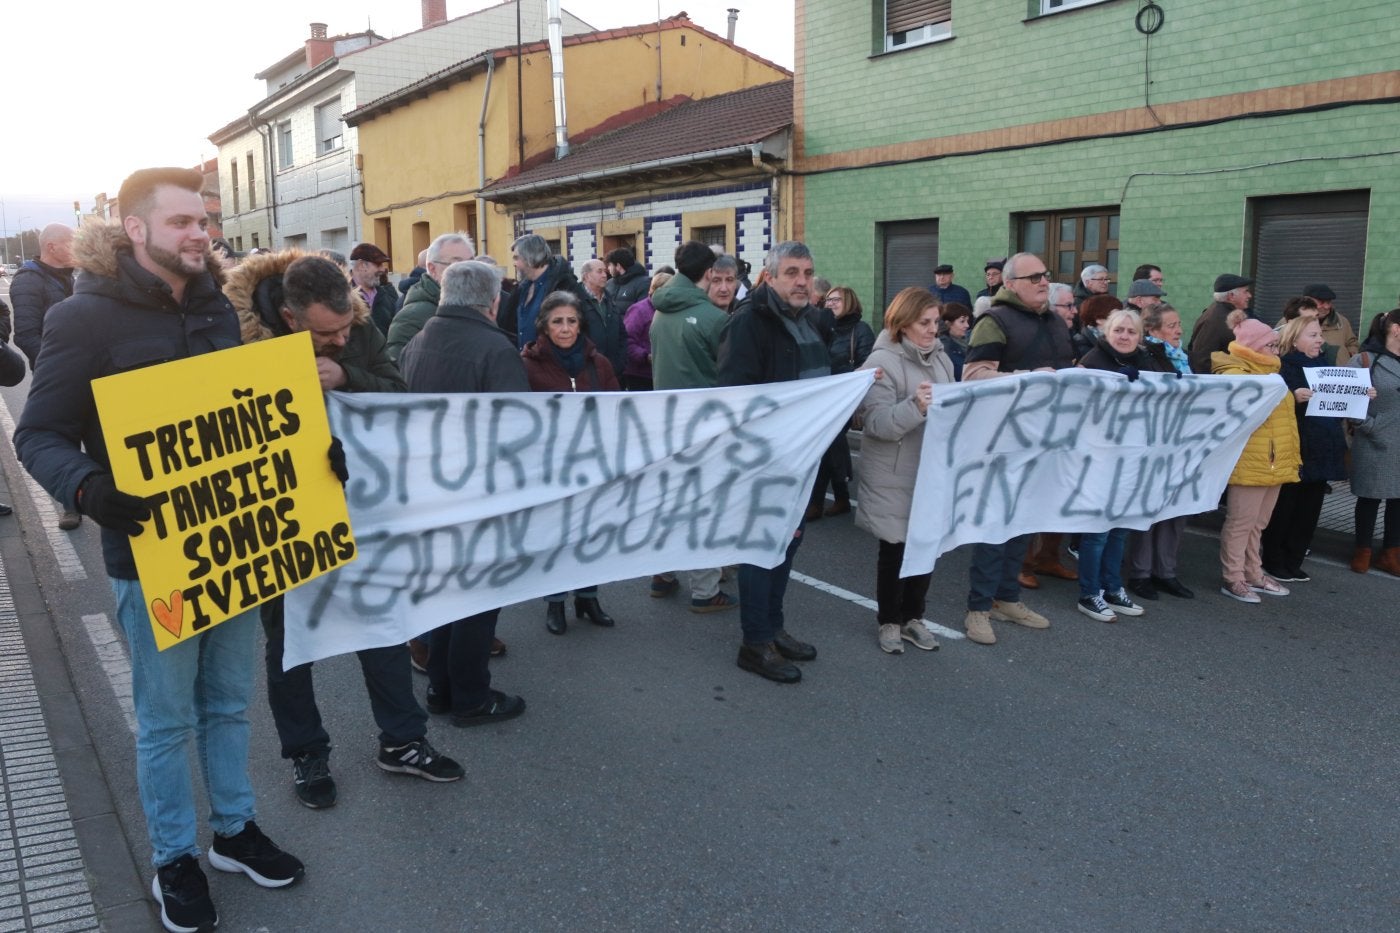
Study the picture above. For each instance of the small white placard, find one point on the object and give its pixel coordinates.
(1338, 391)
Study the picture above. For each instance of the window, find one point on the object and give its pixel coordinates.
(328, 128)
(284, 145)
(1055, 6)
(255, 241)
(1067, 241)
(910, 253)
(915, 22)
(711, 236)
(233, 174)
(238, 243)
(252, 187)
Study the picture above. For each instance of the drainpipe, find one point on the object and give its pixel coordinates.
(556, 59)
(481, 249)
(263, 129)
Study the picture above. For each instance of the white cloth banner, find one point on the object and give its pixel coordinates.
(1076, 450)
(1338, 391)
(463, 503)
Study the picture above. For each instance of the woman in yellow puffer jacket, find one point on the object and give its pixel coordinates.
(1271, 457)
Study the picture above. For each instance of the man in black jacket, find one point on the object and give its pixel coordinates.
(628, 282)
(774, 336)
(539, 272)
(150, 294)
(460, 349)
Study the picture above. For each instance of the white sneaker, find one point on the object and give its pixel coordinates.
(1122, 603)
(918, 635)
(890, 641)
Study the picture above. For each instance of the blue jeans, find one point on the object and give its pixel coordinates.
(199, 687)
(1101, 562)
(761, 592)
(993, 573)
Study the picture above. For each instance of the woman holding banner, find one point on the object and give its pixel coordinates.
(1101, 594)
(893, 413)
(1270, 459)
(1152, 553)
(1323, 446)
(1375, 449)
(562, 359)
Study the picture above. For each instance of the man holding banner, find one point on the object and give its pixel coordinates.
(775, 336)
(149, 294)
(284, 293)
(1019, 333)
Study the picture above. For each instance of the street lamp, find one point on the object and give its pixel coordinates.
(21, 238)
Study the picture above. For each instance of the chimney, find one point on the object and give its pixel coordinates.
(733, 19)
(556, 58)
(318, 47)
(434, 12)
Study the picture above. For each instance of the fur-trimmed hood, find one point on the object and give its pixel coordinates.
(98, 242)
(254, 287)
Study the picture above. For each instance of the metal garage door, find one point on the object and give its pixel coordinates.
(1303, 239)
(911, 252)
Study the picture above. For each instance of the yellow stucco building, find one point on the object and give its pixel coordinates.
(427, 149)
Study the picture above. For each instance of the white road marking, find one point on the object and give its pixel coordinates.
(110, 646)
(870, 604)
(69, 563)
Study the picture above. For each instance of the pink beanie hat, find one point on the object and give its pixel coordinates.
(1254, 334)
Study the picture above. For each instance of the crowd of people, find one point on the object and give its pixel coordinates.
(154, 288)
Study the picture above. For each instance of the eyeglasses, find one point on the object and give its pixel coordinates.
(1063, 304)
(1099, 278)
(1040, 276)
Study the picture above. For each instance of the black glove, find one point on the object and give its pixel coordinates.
(337, 457)
(1131, 372)
(101, 500)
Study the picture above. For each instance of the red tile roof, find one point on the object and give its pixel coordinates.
(690, 127)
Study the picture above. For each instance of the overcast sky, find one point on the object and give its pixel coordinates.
(98, 88)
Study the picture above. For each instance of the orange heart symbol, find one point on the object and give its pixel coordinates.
(171, 616)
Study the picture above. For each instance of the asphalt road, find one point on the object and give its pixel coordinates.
(1209, 766)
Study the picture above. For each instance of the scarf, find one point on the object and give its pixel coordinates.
(571, 359)
(1176, 355)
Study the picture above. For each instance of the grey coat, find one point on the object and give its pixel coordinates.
(893, 434)
(1375, 447)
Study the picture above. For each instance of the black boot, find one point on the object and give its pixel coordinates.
(554, 618)
(586, 607)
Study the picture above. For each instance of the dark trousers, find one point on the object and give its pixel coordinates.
(459, 669)
(292, 695)
(1287, 537)
(993, 573)
(636, 383)
(831, 470)
(1366, 511)
(761, 592)
(899, 599)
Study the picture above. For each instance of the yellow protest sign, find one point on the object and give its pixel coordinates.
(229, 450)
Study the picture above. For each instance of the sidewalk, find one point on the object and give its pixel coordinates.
(64, 861)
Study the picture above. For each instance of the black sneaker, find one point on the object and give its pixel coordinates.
(257, 857)
(438, 704)
(499, 708)
(421, 759)
(182, 892)
(312, 775)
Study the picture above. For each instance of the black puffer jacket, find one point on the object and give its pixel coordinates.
(33, 292)
(120, 318)
(627, 289)
(460, 350)
(755, 347)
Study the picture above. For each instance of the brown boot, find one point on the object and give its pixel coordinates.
(1389, 561)
(1046, 558)
(1361, 560)
(1027, 581)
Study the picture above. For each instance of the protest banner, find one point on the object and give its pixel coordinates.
(1076, 450)
(463, 503)
(1339, 391)
(229, 450)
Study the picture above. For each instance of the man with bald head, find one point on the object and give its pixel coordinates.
(40, 284)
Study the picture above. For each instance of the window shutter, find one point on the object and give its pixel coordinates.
(904, 15)
(911, 252)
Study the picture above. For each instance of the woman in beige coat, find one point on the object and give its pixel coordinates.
(893, 413)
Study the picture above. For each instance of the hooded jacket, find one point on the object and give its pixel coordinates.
(34, 290)
(1271, 456)
(255, 289)
(625, 290)
(684, 336)
(419, 304)
(120, 318)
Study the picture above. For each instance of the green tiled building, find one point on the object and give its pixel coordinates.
(1203, 136)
